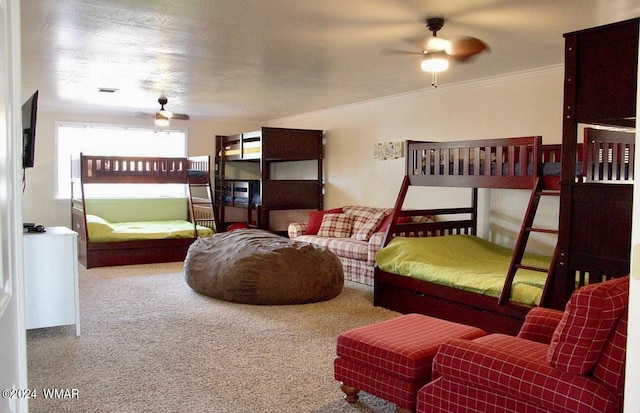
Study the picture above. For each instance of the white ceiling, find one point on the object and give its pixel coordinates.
(267, 59)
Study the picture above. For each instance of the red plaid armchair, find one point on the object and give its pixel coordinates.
(559, 362)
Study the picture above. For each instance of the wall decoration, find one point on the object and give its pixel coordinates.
(388, 150)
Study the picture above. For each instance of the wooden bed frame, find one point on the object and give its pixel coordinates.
(405, 294)
(134, 170)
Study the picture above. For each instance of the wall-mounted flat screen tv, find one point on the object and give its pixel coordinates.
(29, 115)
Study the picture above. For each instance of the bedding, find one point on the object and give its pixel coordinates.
(100, 230)
(466, 262)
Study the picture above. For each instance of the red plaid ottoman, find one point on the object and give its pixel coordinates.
(392, 359)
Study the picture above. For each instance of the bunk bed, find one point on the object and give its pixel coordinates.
(260, 154)
(499, 300)
(165, 239)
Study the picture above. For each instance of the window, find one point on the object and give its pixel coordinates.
(72, 139)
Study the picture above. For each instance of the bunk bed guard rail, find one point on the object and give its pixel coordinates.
(495, 163)
(117, 169)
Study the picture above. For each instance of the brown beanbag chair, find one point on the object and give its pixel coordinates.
(257, 267)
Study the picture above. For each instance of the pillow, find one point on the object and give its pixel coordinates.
(366, 231)
(422, 219)
(237, 225)
(97, 227)
(361, 214)
(588, 319)
(315, 219)
(336, 226)
(610, 366)
(385, 223)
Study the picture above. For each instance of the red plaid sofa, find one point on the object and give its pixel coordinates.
(353, 233)
(571, 361)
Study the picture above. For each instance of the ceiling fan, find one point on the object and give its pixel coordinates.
(163, 116)
(436, 52)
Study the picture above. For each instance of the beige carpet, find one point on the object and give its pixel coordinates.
(151, 344)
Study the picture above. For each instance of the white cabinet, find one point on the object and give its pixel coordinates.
(51, 278)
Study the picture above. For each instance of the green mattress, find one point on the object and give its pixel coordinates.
(465, 262)
(101, 230)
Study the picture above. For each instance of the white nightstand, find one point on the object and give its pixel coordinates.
(51, 278)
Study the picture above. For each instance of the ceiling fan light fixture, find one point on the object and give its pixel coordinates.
(161, 121)
(163, 117)
(435, 62)
(165, 113)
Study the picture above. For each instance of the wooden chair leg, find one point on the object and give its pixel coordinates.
(350, 393)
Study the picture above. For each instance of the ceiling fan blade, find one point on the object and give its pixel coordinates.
(418, 42)
(387, 52)
(465, 47)
(180, 116)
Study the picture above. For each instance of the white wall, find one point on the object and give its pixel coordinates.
(39, 205)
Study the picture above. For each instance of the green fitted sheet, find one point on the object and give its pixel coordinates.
(465, 262)
(102, 231)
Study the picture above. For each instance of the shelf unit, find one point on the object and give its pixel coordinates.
(267, 150)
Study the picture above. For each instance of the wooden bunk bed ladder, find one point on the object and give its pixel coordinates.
(523, 238)
(200, 194)
(201, 208)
